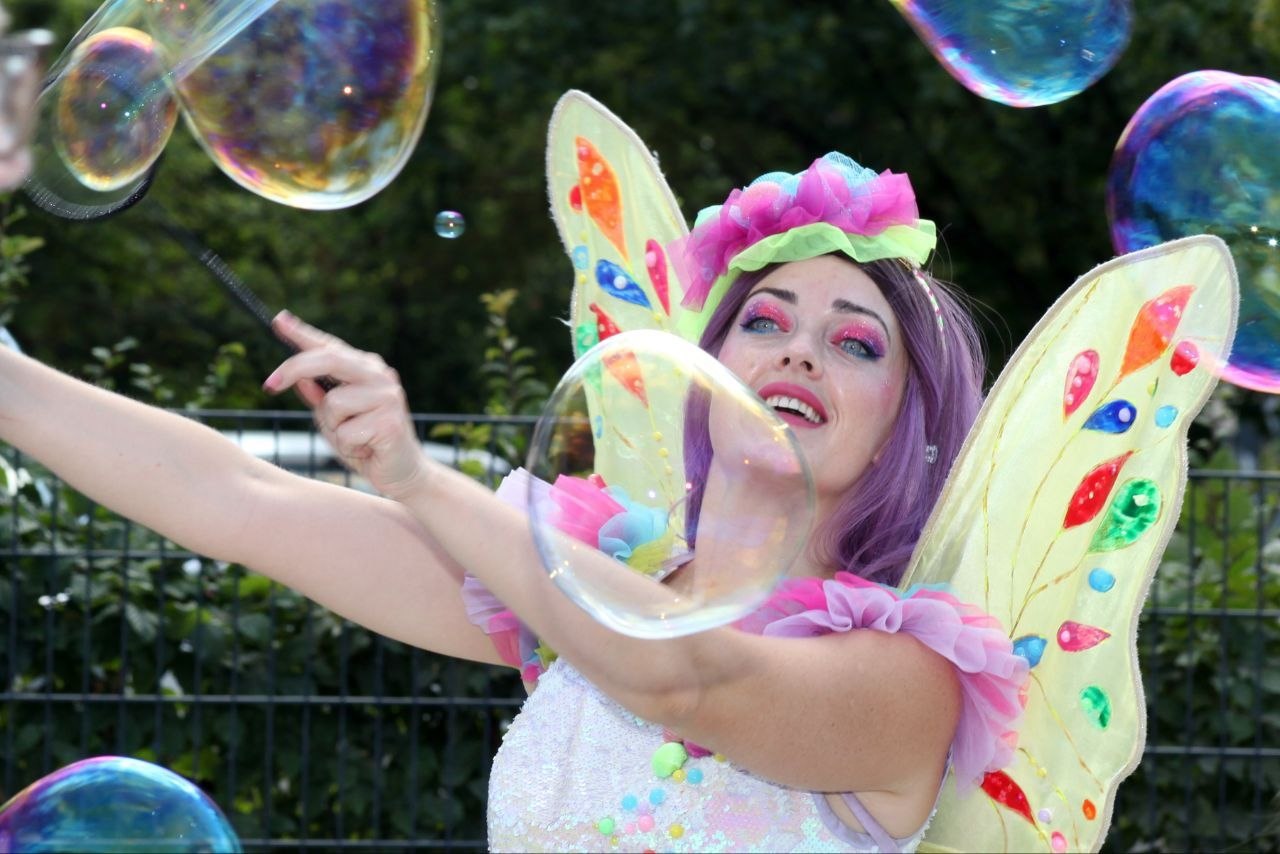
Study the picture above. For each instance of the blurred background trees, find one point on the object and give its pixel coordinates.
(723, 90)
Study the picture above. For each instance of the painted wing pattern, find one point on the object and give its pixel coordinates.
(1055, 517)
(615, 214)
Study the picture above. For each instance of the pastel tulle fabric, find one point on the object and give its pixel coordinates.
(992, 676)
(835, 205)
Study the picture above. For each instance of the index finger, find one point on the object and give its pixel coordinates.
(298, 334)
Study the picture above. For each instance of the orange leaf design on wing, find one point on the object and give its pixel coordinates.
(600, 193)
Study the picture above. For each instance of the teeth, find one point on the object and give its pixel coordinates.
(797, 406)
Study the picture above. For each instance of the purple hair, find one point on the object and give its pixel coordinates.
(874, 527)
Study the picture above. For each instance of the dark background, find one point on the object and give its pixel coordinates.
(723, 90)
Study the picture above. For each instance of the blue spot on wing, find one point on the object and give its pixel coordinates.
(615, 282)
(1101, 580)
(1114, 417)
(1030, 647)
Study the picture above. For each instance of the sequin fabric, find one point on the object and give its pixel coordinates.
(574, 773)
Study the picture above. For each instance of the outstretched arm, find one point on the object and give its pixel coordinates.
(364, 557)
(863, 711)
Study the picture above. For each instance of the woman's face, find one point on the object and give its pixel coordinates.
(818, 342)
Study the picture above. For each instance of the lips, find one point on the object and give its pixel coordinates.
(796, 405)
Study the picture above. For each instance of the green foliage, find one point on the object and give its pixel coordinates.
(103, 608)
(512, 387)
(1208, 661)
(14, 249)
(114, 369)
(723, 90)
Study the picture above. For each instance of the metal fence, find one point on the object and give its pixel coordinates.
(314, 733)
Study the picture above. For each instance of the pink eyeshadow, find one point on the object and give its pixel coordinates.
(760, 309)
(865, 333)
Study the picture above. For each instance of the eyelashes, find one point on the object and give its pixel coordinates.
(860, 341)
(856, 339)
(763, 317)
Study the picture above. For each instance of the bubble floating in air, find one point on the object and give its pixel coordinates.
(1199, 156)
(112, 803)
(450, 224)
(312, 105)
(654, 532)
(1023, 54)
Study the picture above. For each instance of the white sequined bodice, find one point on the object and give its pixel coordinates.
(574, 773)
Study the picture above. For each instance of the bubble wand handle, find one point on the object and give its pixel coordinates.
(232, 284)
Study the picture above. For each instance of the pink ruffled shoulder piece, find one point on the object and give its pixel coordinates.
(514, 641)
(579, 508)
(992, 678)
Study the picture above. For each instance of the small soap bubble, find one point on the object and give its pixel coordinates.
(1199, 157)
(111, 803)
(1023, 54)
(450, 225)
(661, 541)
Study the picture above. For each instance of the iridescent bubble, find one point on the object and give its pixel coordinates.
(114, 804)
(317, 105)
(312, 104)
(1019, 53)
(1200, 156)
(655, 533)
(450, 224)
(113, 111)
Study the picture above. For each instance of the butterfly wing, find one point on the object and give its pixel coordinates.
(616, 214)
(1055, 517)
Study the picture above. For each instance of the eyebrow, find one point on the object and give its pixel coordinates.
(843, 306)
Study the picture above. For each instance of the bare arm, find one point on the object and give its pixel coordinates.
(863, 712)
(361, 556)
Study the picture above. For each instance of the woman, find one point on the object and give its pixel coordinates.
(875, 368)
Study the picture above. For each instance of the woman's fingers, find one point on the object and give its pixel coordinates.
(365, 417)
(336, 360)
(310, 391)
(349, 401)
(300, 334)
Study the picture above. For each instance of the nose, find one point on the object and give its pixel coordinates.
(805, 364)
(799, 355)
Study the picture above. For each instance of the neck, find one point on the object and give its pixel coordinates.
(757, 521)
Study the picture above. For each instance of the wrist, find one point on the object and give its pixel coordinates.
(414, 485)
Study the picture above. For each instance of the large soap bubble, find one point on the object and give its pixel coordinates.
(316, 105)
(666, 497)
(1019, 53)
(1200, 156)
(114, 804)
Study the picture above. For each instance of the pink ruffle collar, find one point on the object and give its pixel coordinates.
(992, 677)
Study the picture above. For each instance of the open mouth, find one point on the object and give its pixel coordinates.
(794, 407)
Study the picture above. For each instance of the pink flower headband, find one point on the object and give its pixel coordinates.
(833, 206)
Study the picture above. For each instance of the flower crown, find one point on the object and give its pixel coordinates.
(833, 206)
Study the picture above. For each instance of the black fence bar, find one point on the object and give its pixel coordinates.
(312, 733)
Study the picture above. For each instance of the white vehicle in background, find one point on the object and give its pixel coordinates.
(309, 454)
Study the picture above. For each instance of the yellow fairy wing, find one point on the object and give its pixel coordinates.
(616, 215)
(1055, 517)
